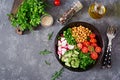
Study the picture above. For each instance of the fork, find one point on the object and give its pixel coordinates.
(111, 33)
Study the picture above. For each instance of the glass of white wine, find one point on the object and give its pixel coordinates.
(97, 10)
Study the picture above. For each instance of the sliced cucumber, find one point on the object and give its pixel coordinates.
(76, 52)
(75, 63)
(67, 64)
(71, 58)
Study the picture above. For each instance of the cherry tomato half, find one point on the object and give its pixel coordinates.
(85, 49)
(92, 35)
(98, 49)
(94, 55)
(79, 45)
(90, 48)
(94, 45)
(86, 43)
(93, 40)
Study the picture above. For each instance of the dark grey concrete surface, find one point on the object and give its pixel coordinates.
(19, 58)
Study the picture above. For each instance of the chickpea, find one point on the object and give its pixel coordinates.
(80, 33)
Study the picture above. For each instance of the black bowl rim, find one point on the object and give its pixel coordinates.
(79, 23)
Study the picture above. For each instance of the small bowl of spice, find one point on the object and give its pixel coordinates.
(46, 20)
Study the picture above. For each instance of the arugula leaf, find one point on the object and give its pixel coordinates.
(57, 74)
(48, 63)
(45, 52)
(50, 35)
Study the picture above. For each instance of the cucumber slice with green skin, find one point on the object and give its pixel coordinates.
(68, 54)
(76, 52)
(66, 60)
(67, 64)
(66, 57)
(75, 55)
(75, 63)
(71, 58)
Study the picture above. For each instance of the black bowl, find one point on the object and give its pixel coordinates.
(87, 25)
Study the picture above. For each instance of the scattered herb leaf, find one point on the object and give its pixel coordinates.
(45, 52)
(50, 35)
(57, 74)
(48, 63)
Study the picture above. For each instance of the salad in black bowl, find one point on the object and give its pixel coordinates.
(78, 46)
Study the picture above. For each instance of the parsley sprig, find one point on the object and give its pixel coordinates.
(28, 14)
(57, 74)
(50, 35)
(45, 52)
(48, 63)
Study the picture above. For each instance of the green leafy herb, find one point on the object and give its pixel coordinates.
(85, 60)
(28, 14)
(57, 74)
(50, 35)
(45, 52)
(48, 63)
(68, 36)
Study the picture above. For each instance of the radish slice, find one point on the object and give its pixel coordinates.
(59, 53)
(67, 47)
(59, 48)
(70, 46)
(63, 46)
(59, 43)
(62, 38)
(63, 51)
(64, 43)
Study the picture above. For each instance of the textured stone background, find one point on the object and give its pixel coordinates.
(19, 58)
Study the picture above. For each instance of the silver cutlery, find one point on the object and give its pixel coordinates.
(111, 33)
